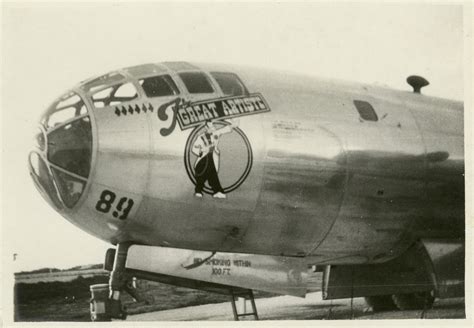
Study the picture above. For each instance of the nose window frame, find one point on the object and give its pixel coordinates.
(67, 108)
(62, 189)
(45, 183)
(111, 95)
(70, 147)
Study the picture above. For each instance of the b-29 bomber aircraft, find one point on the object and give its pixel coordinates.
(232, 179)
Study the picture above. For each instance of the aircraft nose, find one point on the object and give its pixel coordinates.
(60, 162)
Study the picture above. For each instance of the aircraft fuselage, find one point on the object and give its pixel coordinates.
(286, 165)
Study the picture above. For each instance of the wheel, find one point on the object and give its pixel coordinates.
(381, 303)
(414, 301)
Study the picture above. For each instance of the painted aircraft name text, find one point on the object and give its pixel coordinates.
(200, 112)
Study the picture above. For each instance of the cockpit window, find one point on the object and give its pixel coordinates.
(61, 116)
(70, 188)
(114, 95)
(366, 111)
(159, 86)
(127, 91)
(230, 84)
(71, 101)
(64, 110)
(102, 94)
(43, 180)
(61, 161)
(70, 147)
(196, 82)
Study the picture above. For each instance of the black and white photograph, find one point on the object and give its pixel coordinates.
(284, 162)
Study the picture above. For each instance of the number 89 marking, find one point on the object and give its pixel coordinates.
(106, 202)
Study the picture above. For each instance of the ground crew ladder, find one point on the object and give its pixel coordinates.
(244, 295)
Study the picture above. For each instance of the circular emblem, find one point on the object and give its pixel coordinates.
(218, 158)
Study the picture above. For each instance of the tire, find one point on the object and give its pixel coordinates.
(381, 303)
(414, 301)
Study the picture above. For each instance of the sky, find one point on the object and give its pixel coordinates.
(48, 48)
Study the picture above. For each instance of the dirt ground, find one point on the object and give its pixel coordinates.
(69, 301)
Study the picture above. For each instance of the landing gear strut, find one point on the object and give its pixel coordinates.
(118, 281)
(105, 301)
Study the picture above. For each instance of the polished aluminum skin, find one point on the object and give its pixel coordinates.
(324, 183)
